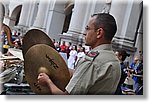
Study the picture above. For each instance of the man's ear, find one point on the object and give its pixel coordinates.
(100, 32)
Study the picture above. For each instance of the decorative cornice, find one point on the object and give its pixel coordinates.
(129, 49)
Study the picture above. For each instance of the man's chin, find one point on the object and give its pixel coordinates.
(87, 44)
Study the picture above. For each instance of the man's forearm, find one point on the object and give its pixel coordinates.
(55, 90)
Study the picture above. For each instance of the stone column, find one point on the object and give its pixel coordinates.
(55, 19)
(80, 16)
(1, 15)
(1, 22)
(1, 42)
(41, 18)
(24, 16)
(127, 14)
(6, 15)
(139, 39)
(77, 19)
(33, 7)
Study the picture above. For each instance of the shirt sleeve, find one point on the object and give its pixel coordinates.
(82, 79)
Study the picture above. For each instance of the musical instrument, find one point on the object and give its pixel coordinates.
(33, 37)
(8, 58)
(16, 52)
(7, 31)
(43, 58)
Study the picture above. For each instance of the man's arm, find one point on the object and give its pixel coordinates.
(55, 90)
(44, 80)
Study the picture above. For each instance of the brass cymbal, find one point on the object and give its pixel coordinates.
(33, 37)
(43, 58)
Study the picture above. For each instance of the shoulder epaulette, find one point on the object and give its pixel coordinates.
(93, 54)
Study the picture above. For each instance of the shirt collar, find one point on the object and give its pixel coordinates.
(103, 47)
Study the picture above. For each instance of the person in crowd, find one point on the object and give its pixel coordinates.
(17, 43)
(54, 41)
(99, 71)
(80, 54)
(62, 52)
(121, 55)
(79, 47)
(133, 69)
(73, 57)
(57, 47)
(139, 82)
(14, 36)
(68, 49)
(63, 47)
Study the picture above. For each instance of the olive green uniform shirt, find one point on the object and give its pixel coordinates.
(97, 73)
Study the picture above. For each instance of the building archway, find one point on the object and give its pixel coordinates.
(68, 12)
(14, 19)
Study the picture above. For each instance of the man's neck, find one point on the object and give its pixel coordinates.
(97, 44)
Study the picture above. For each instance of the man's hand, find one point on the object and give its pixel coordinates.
(43, 79)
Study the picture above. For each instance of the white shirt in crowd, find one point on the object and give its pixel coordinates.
(71, 59)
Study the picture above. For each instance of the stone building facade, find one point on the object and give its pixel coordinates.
(65, 20)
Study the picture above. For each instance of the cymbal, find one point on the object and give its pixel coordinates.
(16, 52)
(43, 58)
(33, 37)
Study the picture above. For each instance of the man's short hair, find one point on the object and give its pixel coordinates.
(107, 22)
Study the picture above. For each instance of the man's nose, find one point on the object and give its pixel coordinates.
(84, 34)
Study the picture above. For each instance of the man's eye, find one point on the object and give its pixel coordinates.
(86, 28)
